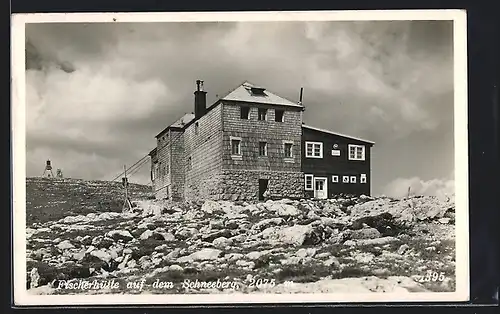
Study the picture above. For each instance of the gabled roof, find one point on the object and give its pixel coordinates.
(180, 123)
(336, 133)
(244, 93)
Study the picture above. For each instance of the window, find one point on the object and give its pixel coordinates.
(362, 179)
(288, 150)
(154, 171)
(345, 179)
(235, 146)
(167, 169)
(189, 164)
(160, 169)
(356, 152)
(308, 182)
(196, 126)
(257, 91)
(262, 114)
(314, 149)
(278, 115)
(262, 149)
(335, 179)
(245, 112)
(353, 179)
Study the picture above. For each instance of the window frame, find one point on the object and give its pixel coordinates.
(363, 178)
(260, 110)
(241, 112)
(285, 143)
(231, 140)
(352, 179)
(312, 182)
(344, 179)
(265, 148)
(355, 146)
(282, 115)
(335, 178)
(313, 145)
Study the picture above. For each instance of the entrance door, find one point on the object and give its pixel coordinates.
(262, 188)
(320, 187)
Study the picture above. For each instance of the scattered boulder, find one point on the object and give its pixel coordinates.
(120, 235)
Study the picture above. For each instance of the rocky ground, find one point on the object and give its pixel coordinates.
(340, 245)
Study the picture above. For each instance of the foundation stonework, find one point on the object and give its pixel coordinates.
(243, 185)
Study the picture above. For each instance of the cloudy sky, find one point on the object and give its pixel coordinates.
(97, 94)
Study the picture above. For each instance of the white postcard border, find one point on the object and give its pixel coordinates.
(21, 295)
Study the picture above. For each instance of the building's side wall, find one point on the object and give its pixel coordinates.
(203, 156)
(241, 175)
(177, 164)
(153, 169)
(163, 168)
(336, 165)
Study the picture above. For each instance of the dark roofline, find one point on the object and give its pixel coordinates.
(173, 128)
(212, 106)
(152, 152)
(338, 134)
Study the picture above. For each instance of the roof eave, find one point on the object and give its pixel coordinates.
(263, 103)
(371, 143)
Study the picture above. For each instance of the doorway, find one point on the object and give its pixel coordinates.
(320, 187)
(262, 188)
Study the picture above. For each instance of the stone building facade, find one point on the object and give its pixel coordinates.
(245, 146)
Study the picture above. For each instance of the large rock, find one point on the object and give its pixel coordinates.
(65, 245)
(210, 207)
(265, 223)
(102, 254)
(366, 233)
(148, 208)
(295, 235)
(34, 278)
(222, 242)
(202, 255)
(283, 210)
(120, 235)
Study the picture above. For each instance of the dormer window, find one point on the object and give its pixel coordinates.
(257, 91)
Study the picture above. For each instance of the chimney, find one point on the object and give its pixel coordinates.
(200, 100)
(300, 99)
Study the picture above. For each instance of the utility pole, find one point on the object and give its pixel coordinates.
(127, 205)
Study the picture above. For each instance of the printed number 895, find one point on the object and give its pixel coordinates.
(431, 276)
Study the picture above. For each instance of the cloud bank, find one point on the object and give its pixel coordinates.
(98, 93)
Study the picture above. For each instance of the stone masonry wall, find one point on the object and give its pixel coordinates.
(177, 164)
(203, 154)
(253, 131)
(244, 184)
(162, 177)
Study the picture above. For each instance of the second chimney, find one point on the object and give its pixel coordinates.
(200, 100)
